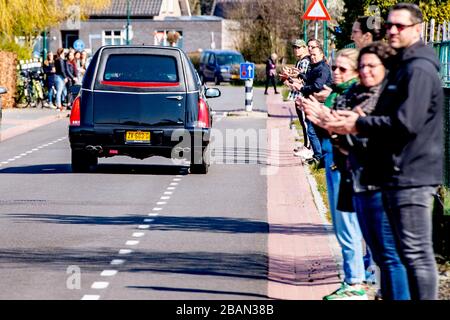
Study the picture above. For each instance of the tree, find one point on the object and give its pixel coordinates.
(266, 26)
(195, 7)
(24, 18)
(431, 9)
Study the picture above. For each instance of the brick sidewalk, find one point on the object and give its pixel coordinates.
(301, 261)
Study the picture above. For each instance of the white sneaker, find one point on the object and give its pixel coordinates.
(304, 153)
(51, 106)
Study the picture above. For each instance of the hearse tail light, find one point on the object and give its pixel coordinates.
(203, 114)
(75, 114)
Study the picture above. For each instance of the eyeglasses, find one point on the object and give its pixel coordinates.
(369, 65)
(400, 27)
(312, 47)
(341, 69)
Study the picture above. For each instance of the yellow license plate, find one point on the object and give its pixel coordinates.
(137, 136)
(234, 76)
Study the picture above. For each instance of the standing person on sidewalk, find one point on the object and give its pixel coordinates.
(373, 62)
(49, 71)
(302, 66)
(61, 77)
(271, 72)
(344, 219)
(316, 79)
(405, 146)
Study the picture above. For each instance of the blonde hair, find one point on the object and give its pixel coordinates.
(351, 54)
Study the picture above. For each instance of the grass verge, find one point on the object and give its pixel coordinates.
(318, 174)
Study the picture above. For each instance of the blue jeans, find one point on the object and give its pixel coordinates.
(410, 214)
(51, 90)
(60, 87)
(345, 224)
(314, 139)
(378, 235)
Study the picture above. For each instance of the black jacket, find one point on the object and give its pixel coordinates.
(406, 128)
(317, 76)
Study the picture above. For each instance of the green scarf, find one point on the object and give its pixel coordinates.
(338, 90)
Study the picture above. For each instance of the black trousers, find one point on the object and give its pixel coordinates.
(271, 79)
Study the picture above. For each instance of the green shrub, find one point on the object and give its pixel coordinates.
(23, 52)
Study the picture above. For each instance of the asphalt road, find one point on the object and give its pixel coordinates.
(133, 229)
(233, 98)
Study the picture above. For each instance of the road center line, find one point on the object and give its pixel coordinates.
(90, 297)
(125, 251)
(100, 285)
(108, 273)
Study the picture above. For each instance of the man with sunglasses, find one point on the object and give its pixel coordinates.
(405, 144)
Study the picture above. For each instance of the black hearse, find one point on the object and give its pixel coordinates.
(141, 101)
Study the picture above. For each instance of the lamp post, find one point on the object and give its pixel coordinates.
(325, 35)
(128, 23)
(305, 27)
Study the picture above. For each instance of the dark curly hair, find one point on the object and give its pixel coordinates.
(367, 25)
(382, 50)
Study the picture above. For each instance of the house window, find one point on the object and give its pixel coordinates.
(112, 37)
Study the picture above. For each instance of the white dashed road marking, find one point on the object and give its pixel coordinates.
(125, 251)
(138, 234)
(111, 273)
(90, 297)
(100, 285)
(117, 261)
(24, 154)
(108, 273)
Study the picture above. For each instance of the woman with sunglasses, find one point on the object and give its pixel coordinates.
(373, 62)
(344, 219)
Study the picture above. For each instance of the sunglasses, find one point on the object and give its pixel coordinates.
(400, 27)
(341, 69)
(312, 47)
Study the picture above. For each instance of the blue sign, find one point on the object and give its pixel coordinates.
(247, 71)
(78, 45)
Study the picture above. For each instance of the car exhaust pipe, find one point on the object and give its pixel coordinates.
(94, 149)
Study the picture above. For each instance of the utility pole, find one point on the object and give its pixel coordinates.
(305, 27)
(128, 23)
(44, 44)
(325, 35)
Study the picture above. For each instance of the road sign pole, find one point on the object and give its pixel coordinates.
(316, 30)
(249, 95)
(305, 25)
(325, 34)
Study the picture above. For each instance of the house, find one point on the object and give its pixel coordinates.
(150, 22)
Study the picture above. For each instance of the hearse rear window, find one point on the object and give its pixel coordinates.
(140, 68)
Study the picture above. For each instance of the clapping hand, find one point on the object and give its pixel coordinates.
(323, 95)
(344, 121)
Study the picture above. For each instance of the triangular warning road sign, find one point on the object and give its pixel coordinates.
(316, 11)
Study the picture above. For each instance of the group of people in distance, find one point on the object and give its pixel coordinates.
(374, 121)
(63, 71)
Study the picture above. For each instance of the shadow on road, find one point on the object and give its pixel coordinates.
(192, 290)
(174, 223)
(144, 169)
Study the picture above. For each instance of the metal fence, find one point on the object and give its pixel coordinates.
(442, 50)
(447, 137)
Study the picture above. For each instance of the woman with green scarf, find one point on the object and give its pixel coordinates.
(345, 223)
